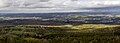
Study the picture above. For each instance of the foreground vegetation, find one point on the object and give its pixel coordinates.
(86, 33)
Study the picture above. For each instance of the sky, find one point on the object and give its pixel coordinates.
(48, 6)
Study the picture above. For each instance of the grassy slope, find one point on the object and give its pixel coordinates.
(66, 33)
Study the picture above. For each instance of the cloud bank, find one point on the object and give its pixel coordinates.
(54, 5)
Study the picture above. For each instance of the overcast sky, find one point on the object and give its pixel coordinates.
(46, 6)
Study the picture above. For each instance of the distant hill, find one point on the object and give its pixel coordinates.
(50, 14)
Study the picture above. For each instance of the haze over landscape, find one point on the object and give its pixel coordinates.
(52, 6)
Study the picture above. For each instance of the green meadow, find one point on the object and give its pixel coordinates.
(85, 33)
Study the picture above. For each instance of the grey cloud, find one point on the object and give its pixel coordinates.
(59, 3)
(54, 5)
